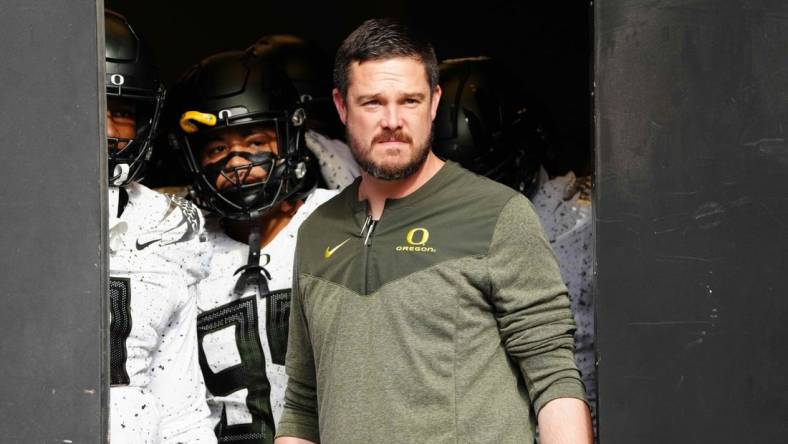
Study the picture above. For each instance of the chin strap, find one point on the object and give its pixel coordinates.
(120, 174)
(253, 274)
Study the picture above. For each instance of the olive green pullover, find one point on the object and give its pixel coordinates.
(446, 321)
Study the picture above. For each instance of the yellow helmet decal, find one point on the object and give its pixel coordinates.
(189, 118)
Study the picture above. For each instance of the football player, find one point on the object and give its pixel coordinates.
(157, 393)
(240, 129)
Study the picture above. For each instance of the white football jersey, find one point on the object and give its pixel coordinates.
(156, 259)
(243, 338)
(568, 226)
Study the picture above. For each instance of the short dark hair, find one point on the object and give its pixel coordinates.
(381, 39)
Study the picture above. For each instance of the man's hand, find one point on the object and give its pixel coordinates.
(291, 440)
(564, 421)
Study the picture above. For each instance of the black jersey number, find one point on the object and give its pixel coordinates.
(119, 328)
(250, 373)
(277, 322)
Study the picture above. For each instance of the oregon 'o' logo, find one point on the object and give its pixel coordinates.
(117, 79)
(417, 236)
(225, 114)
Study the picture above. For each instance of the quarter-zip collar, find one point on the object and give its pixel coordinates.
(360, 208)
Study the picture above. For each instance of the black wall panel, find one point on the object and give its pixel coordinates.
(691, 220)
(52, 267)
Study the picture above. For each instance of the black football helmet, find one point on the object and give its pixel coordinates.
(131, 75)
(233, 90)
(310, 70)
(489, 125)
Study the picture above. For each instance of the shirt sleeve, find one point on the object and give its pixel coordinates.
(532, 307)
(299, 418)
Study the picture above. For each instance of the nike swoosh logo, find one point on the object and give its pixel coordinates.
(146, 244)
(330, 251)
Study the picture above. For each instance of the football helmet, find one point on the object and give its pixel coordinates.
(236, 90)
(310, 70)
(486, 123)
(132, 76)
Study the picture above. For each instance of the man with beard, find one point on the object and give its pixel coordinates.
(427, 305)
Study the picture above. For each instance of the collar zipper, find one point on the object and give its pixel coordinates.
(369, 227)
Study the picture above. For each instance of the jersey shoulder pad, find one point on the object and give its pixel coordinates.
(170, 219)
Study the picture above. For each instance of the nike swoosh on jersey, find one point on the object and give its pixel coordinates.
(330, 251)
(141, 246)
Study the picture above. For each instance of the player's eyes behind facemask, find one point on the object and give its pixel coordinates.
(230, 141)
(127, 120)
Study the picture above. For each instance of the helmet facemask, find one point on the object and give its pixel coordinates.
(248, 188)
(128, 156)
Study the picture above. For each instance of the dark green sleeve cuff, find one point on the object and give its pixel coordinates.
(563, 388)
(298, 424)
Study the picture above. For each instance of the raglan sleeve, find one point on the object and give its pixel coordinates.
(531, 304)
